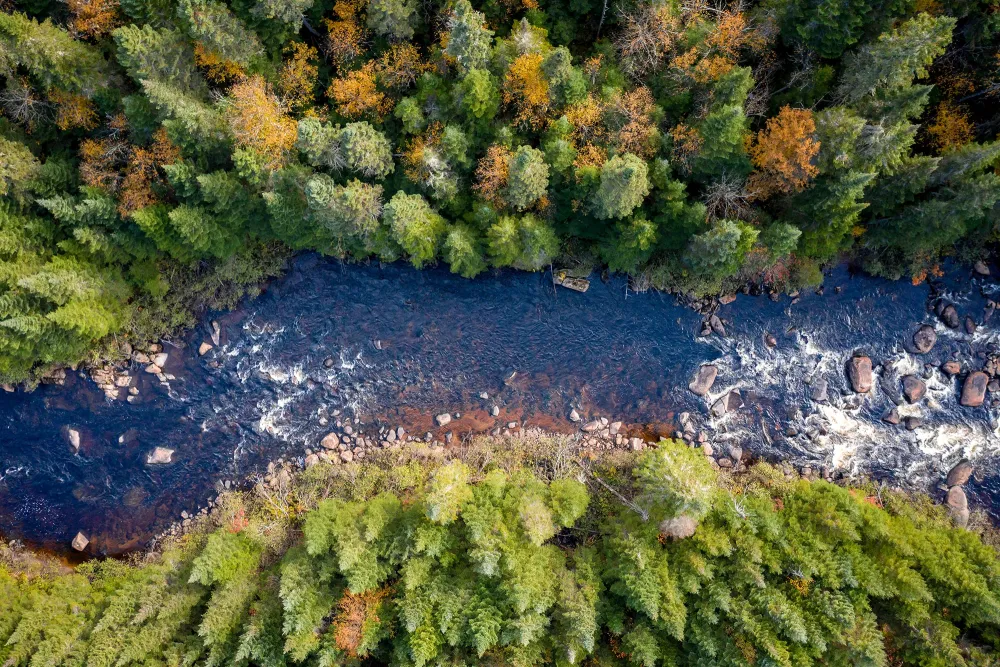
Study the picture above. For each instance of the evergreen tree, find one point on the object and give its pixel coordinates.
(392, 18)
(415, 226)
(624, 185)
(528, 178)
(213, 25)
(469, 41)
(462, 252)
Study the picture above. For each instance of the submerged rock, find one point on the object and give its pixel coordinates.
(974, 389)
(924, 339)
(703, 380)
(859, 372)
(820, 391)
(980, 268)
(914, 388)
(731, 402)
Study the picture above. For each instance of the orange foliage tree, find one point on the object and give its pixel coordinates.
(143, 172)
(345, 38)
(492, 173)
(93, 18)
(217, 69)
(356, 94)
(257, 120)
(783, 153)
(73, 111)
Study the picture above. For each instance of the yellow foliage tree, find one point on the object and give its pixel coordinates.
(93, 18)
(492, 173)
(297, 78)
(73, 111)
(257, 120)
(526, 90)
(951, 128)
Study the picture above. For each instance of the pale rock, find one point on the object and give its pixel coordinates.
(443, 419)
(160, 456)
(204, 349)
(80, 542)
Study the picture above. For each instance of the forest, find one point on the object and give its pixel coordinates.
(162, 156)
(521, 553)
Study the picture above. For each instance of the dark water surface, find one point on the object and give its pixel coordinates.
(409, 344)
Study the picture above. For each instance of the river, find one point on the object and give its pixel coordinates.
(406, 345)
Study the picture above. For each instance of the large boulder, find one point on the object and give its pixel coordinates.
(974, 389)
(951, 368)
(72, 438)
(960, 474)
(330, 441)
(443, 419)
(160, 456)
(950, 317)
(731, 402)
(80, 542)
(958, 505)
(703, 380)
(913, 388)
(924, 339)
(859, 372)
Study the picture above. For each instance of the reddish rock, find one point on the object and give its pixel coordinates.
(974, 389)
(960, 474)
(703, 380)
(859, 372)
(913, 388)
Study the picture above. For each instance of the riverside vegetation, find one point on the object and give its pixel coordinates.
(524, 552)
(159, 156)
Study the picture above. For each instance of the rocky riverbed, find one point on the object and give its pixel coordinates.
(372, 349)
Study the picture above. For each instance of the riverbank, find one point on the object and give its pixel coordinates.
(330, 561)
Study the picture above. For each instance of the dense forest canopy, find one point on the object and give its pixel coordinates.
(153, 150)
(491, 561)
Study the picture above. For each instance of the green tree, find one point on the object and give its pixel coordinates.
(50, 54)
(163, 56)
(528, 178)
(462, 252)
(392, 18)
(415, 226)
(219, 30)
(469, 40)
(719, 252)
(623, 186)
(478, 94)
(366, 150)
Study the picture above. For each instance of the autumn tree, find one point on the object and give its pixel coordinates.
(356, 94)
(94, 18)
(784, 153)
(297, 77)
(258, 121)
(526, 89)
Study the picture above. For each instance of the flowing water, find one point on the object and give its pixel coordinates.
(406, 345)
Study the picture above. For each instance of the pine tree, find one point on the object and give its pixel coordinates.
(213, 25)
